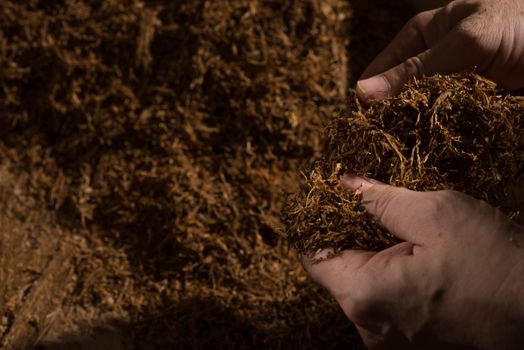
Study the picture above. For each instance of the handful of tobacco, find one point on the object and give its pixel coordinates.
(454, 132)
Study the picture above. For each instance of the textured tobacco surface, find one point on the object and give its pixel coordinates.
(453, 132)
(146, 148)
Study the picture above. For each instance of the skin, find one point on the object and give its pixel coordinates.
(457, 282)
(482, 35)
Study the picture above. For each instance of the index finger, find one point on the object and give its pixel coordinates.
(404, 213)
(422, 32)
(409, 42)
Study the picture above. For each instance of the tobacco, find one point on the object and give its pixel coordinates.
(456, 132)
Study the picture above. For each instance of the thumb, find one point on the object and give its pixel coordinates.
(436, 59)
(401, 211)
(391, 82)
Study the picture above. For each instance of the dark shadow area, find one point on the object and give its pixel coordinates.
(200, 323)
(108, 337)
(372, 27)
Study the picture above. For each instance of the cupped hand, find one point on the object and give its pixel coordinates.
(457, 280)
(485, 35)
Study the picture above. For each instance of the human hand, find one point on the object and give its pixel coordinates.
(458, 280)
(487, 35)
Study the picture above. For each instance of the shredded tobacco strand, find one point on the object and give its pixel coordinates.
(453, 132)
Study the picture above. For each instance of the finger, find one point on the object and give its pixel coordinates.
(336, 274)
(438, 60)
(361, 292)
(339, 274)
(410, 41)
(399, 210)
(434, 60)
(421, 33)
(377, 340)
(429, 52)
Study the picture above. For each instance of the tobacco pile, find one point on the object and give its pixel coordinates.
(444, 132)
(158, 139)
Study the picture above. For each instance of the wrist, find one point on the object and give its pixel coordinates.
(515, 288)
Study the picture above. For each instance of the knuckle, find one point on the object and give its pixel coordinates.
(386, 208)
(384, 201)
(419, 21)
(488, 209)
(436, 205)
(419, 24)
(414, 66)
(470, 33)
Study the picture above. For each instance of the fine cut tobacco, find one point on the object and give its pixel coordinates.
(455, 132)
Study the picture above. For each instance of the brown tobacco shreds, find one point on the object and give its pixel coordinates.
(327, 216)
(157, 139)
(453, 132)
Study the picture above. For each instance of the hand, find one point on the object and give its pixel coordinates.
(457, 280)
(484, 34)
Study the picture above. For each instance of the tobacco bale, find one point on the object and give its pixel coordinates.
(453, 132)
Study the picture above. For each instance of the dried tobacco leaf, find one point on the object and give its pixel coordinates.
(443, 132)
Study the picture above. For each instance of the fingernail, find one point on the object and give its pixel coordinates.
(374, 88)
(355, 183)
(323, 254)
(317, 257)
